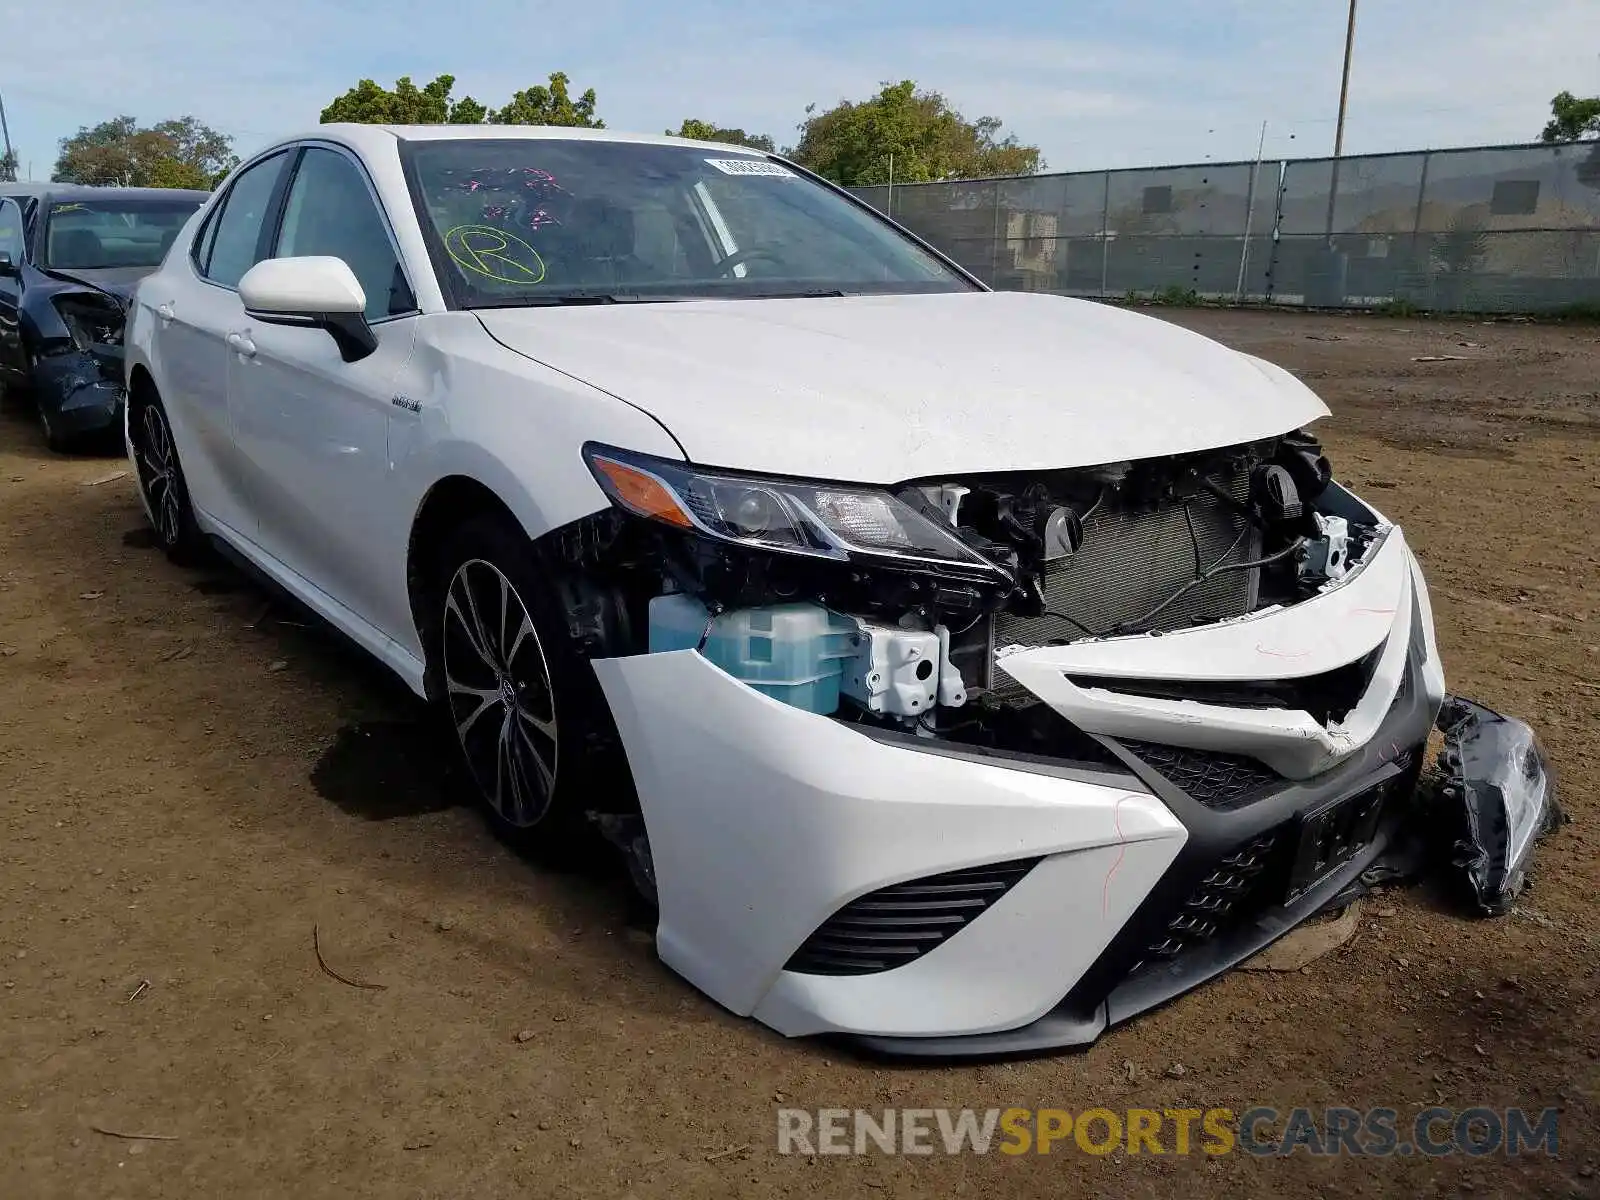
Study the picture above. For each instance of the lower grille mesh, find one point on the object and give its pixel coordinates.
(1215, 779)
(898, 924)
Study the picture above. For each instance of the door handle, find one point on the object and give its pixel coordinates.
(165, 311)
(241, 344)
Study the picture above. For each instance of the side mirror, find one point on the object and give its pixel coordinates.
(316, 291)
(7, 267)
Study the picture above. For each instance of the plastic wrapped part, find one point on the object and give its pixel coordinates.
(1498, 783)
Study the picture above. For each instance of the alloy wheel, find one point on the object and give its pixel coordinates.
(158, 474)
(501, 700)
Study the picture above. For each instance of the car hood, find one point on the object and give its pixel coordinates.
(880, 389)
(119, 281)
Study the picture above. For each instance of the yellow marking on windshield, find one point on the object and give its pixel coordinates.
(493, 253)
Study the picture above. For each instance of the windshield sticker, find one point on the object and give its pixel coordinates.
(750, 166)
(494, 254)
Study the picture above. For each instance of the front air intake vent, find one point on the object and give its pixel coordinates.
(898, 924)
(1215, 779)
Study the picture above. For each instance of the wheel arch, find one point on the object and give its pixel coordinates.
(449, 503)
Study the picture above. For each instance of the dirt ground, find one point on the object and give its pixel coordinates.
(191, 783)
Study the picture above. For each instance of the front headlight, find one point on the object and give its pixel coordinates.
(88, 323)
(823, 520)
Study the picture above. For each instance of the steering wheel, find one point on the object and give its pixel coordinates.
(740, 257)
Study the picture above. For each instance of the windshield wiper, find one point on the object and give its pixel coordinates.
(806, 294)
(560, 299)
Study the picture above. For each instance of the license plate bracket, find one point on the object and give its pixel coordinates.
(1331, 836)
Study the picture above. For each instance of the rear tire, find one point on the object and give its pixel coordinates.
(523, 709)
(161, 483)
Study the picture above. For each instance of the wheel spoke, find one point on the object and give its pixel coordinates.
(156, 431)
(523, 630)
(500, 773)
(487, 698)
(169, 513)
(500, 625)
(521, 750)
(546, 727)
(469, 630)
(547, 775)
(490, 648)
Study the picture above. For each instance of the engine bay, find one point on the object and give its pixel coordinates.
(1128, 549)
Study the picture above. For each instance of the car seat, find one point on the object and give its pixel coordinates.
(77, 248)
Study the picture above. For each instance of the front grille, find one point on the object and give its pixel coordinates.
(1327, 697)
(1231, 893)
(1217, 780)
(1132, 559)
(898, 924)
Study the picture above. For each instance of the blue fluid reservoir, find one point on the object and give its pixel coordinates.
(791, 652)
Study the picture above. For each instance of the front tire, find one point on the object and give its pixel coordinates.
(523, 708)
(161, 483)
(57, 443)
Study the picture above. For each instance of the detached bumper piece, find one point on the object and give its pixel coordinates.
(1497, 785)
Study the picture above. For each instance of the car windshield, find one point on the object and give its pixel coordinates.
(87, 234)
(531, 221)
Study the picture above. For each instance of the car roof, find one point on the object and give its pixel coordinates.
(370, 137)
(80, 191)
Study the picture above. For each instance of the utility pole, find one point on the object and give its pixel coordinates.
(1338, 133)
(8, 169)
(1344, 82)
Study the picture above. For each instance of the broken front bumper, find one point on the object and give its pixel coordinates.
(928, 898)
(82, 391)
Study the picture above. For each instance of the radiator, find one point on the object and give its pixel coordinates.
(1131, 560)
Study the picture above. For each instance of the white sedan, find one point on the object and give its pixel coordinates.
(960, 670)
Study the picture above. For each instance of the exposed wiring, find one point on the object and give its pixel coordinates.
(1061, 616)
(1095, 507)
(1216, 568)
(1194, 538)
(1248, 511)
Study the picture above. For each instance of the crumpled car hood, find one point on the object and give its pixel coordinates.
(880, 389)
(119, 281)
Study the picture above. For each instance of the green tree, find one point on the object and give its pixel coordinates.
(705, 131)
(370, 104)
(851, 143)
(8, 167)
(180, 153)
(1572, 118)
(553, 105)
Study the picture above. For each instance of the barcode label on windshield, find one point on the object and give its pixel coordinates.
(750, 166)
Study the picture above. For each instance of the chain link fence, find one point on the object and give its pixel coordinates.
(1493, 229)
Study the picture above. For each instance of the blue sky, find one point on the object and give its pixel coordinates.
(1095, 83)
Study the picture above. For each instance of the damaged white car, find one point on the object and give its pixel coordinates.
(964, 671)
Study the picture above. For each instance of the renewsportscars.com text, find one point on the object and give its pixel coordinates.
(1373, 1132)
